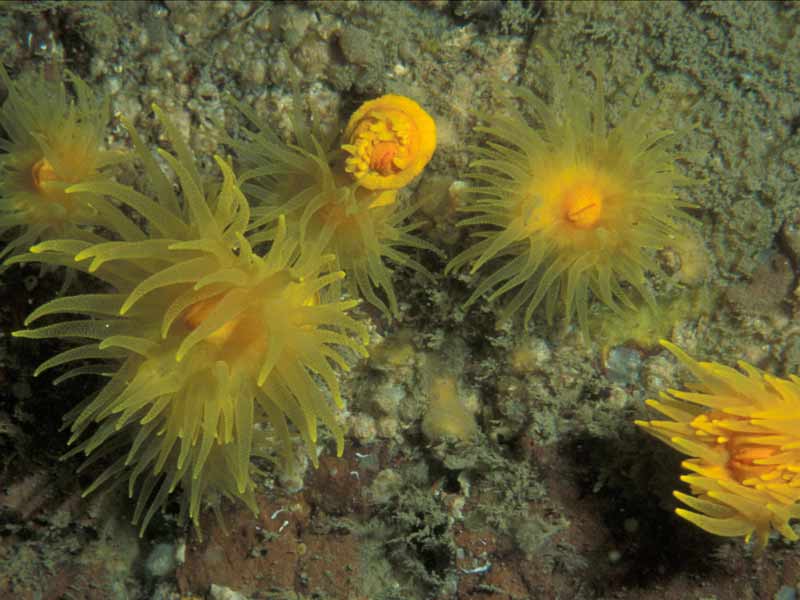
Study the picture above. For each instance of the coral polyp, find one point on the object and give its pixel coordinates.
(567, 207)
(52, 143)
(333, 205)
(390, 140)
(204, 337)
(741, 432)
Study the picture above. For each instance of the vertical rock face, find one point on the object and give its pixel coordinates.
(539, 503)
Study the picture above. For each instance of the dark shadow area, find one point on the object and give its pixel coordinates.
(630, 480)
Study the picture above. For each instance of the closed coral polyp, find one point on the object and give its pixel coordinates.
(448, 416)
(389, 140)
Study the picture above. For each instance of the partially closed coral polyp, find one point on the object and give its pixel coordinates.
(742, 436)
(389, 141)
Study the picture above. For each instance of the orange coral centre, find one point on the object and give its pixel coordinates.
(197, 313)
(382, 159)
(583, 205)
(742, 454)
(380, 145)
(42, 172)
(388, 142)
(743, 457)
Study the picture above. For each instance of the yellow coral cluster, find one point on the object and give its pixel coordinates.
(201, 336)
(742, 432)
(212, 320)
(212, 339)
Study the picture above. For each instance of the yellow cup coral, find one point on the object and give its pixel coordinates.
(742, 432)
(328, 212)
(52, 143)
(210, 338)
(572, 205)
(389, 140)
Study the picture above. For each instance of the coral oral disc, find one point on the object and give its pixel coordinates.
(42, 172)
(380, 145)
(197, 313)
(583, 206)
(382, 159)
